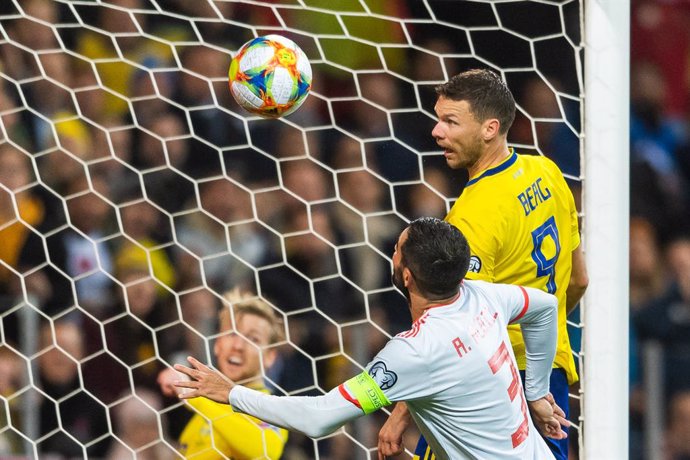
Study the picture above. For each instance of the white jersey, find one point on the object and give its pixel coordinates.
(456, 371)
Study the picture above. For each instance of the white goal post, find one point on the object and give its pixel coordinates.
(606, 196)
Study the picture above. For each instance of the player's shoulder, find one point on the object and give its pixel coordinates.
(541, 162)
(419, 327)
(479, 289)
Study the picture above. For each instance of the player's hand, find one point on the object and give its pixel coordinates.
(205, 382)
(166, 380)
(390, 436)
(548, 417)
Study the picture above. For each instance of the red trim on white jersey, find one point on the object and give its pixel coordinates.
(415, 327)
(422, 319)
(346, 394)
(524, 308)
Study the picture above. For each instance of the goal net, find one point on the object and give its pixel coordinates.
(136, 193)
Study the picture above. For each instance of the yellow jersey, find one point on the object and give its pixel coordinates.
(217, 432)
(520, 220)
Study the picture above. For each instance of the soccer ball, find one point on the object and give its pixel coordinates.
(270, 76)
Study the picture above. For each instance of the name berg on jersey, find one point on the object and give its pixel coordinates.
(533, 196)
(480, 326)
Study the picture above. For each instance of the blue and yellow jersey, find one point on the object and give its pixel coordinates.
(520, 220)
(217, 432)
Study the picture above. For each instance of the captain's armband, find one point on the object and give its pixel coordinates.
(366, 392)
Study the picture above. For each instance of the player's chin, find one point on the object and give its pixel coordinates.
(453, 162)
(232, 371)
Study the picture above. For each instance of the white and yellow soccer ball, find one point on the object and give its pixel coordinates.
(270, 76)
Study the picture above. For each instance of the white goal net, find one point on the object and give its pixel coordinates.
(134, 193)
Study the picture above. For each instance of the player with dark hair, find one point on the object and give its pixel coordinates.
(468, 401)
(518, 215)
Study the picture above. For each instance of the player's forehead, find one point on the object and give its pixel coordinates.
(448, 107)
(249, 323)
(402, 238)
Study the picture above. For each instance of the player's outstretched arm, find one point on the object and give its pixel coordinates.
(548, 417)
(315, 416)
(391, 434)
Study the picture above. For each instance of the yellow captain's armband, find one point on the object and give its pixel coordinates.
(367, 392)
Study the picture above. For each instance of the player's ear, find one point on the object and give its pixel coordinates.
(216, 347)
(407, 276)
(490, 129)
(269, 357)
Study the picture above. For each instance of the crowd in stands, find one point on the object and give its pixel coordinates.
(143, 196)
(659, 228)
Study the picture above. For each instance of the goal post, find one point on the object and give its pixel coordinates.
(606, 197)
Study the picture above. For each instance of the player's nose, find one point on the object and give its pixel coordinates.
(437, 132)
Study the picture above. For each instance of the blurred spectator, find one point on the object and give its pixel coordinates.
(15, 128)
(659, 34)
(388, 157)
(243, 351)
(40, 95)
(139, 428)
(678, 431)
(219, 243)
(215, 31)
(61, 166)
(660, 190)
(69, 145)
(162, 157)
(650, 281)
(307, 180)
(12, 379)
(198, 315)
(543, 124)
(15, 176)
(369, 225)
(351, 53)
(69, 416)
(145, 225)
(79, 252)
(113, 146)
(429, 198)
(96, 44)
(151, 91)
(129, 329)
(667, 319)
(202, 65)
(649, 277)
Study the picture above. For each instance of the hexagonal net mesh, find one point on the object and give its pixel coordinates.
(136, 193)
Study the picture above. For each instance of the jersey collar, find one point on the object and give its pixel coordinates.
(507, 163)
(452, 301)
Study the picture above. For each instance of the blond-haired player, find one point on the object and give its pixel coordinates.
(248, 328)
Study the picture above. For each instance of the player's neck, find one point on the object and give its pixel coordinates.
(419, 305)
(493, 156)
